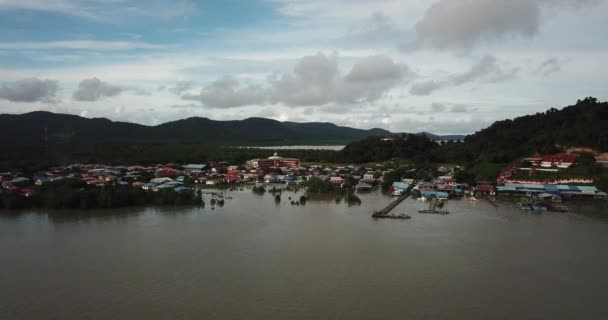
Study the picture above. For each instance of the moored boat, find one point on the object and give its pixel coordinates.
(539, 207)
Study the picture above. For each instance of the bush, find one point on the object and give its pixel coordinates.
(259, 189)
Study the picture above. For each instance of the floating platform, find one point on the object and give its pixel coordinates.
(430, 211)
(401, 216)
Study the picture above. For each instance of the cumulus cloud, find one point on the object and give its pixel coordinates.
(30, 90)
(228, 92)
(94, 89)
(316, 80)
(461, 24)
(488, 69)
(312, 81)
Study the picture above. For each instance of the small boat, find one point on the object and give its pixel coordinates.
(539, 207)
(524, 206)
(472, 199)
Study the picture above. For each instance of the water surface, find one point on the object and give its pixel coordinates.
(254, 259)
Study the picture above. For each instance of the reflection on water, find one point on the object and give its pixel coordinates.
(254, 259)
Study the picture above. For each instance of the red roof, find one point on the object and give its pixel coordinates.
(485, 188)
(560, 158)
(231, 177)
(96, 181)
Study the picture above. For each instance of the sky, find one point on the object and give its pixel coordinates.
(443, 66)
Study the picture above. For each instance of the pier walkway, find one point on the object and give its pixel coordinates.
(391, 205)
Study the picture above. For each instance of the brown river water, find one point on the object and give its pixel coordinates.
(254, 259)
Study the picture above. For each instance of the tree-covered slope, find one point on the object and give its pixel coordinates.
(582, 124)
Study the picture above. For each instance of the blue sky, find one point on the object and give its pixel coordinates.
(445, 66)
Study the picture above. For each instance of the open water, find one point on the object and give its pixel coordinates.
(255, 259)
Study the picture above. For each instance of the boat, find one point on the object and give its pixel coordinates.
(363, 187)
(539, 207)
(524, 206)
(472, 199)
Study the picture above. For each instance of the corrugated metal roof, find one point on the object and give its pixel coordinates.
(551, 188)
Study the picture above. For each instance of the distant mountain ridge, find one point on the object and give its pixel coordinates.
(39, 126)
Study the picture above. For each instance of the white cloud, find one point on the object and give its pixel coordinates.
(228, 92)
(316, 80)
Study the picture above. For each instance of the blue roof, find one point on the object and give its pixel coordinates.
(195, 166)
(551, 188)
(401, 185)
(548, 188)
(434, 194)
(181, 189)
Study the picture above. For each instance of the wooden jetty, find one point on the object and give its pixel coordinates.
(385, 213)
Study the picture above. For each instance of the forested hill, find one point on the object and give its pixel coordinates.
(582, 124)
(36, 127)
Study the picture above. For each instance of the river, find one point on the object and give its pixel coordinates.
(254, 259)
